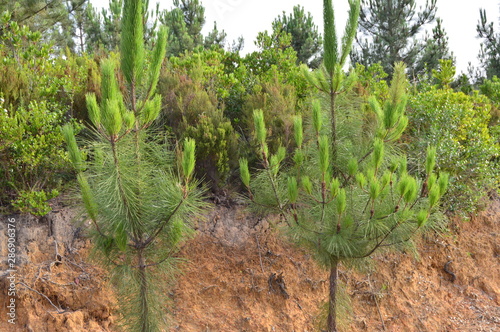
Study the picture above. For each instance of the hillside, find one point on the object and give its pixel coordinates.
(239, 275)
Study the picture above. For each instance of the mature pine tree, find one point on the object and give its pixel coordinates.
(102, 29)
(138, 202)
(306, 40)
(489, 55)
(390, 32)
(185, 22)
(54, 19)
(436, 49)
(346, 196)
(215, 37)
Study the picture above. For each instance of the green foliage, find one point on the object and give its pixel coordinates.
(34, 202)
(278, 87)
(28, 73)
(371, 81)
(217, 146)
(38, 91)
(331, 45)
(222, 74)
(348, 193)
(132, 41)
(191, 109)
(139, 203)
(276, 59)
(445, 74)
(457, 125)
(102, 29)
(184, 23)
(32, 156)
(330, 79)
(215, 38)
(489, 56)
(306, 40)
(347, 217)
(391, 31)
(55, 21)
(491, 89)
(280, 104)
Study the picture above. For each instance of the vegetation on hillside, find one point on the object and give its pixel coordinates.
(148, 117)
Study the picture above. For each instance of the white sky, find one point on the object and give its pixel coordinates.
(248, 17)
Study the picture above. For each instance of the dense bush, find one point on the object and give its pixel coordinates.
(279, 103)
(37, 93)
(491, 89)
(221, 73)
(457, 124)
(32, 159)
(192, 110)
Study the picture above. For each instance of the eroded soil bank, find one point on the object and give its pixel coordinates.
(241, 276)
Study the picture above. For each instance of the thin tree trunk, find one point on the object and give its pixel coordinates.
(333, 124)
(334, 127)
(144, 292)
(332, 308)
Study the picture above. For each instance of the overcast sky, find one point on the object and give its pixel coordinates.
(248, 17)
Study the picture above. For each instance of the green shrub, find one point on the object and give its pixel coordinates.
(32, 158)
(371, 81)
(220, 73)
(457, 124)
(39, 92)
(217, 147)
(491, 89)
(190, 110)
(34, 202)
(280, 104)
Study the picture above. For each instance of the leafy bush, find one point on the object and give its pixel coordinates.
(37, 93)
(32, 158)
(221, 73)
(491, 89)
(191, 110)
(371, 81)
(34, 202)
(217, 147)
(457, 124)
(280, 104)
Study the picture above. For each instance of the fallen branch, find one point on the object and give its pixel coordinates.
(376, 303)
(260, 256)
(59, 310)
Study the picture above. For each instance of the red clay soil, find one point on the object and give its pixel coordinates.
(241, 276)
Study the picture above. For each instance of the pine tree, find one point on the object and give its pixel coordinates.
(330, 79)
(306, 40)
(55, 19)
(345, 197)
(185, 22)
(215, 37)
(390, 33)
(489, 55)
(138, 205)
(102, 29)
(435, 50)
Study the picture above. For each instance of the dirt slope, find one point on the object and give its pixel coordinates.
(225, 286)
(240, 276)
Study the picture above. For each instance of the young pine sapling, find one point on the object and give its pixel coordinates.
(137, 201)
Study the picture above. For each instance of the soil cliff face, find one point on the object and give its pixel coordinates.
(240, 275)
(57, 288)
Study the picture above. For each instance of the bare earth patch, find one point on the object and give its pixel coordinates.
(241, 276)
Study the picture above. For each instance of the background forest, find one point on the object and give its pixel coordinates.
(186, 101)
